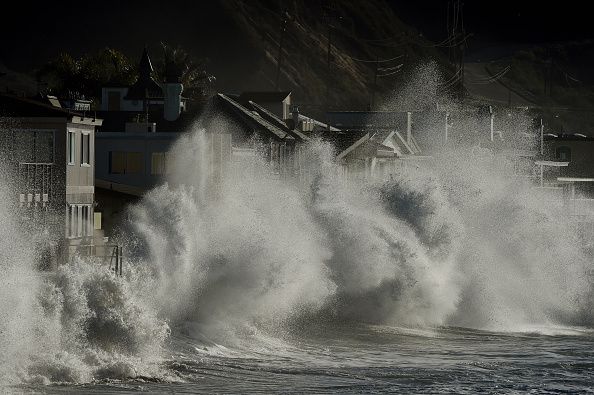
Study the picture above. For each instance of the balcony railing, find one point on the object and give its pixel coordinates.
(104, 254)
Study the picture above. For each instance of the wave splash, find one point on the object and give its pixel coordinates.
(455, 242)
(75, 325)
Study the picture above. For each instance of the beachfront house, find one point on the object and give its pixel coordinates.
(48, 153)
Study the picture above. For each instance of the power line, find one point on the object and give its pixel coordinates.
(376, 60)
(493, 78)
(388, 74)
(390, 68)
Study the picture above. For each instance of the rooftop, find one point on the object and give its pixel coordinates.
(13, 106)
(145, 86)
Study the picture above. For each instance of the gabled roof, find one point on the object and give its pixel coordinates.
(264, 97)
(145, 66)
(372, 144)
(145, 86)
(353, 146)
(270, 117)
(342, 139)
(254, 118)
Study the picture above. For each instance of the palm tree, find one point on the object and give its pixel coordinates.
(68, 76)
(191, 72)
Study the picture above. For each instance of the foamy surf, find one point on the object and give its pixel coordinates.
(312, 284)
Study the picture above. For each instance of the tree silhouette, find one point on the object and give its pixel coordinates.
(67, 76)
(190, 71)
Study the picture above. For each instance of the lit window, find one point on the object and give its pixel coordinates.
(71, 148)
(134, 163)
(158, 163)
(85, 151)
(121, 162)
(117, 162)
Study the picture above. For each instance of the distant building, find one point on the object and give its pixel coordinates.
(141, 122)
(145, 95)
(377, 144)
(576, 149)
(49, 152)
(259, 130)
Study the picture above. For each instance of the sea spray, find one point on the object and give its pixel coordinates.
(103, 327)
(20, 310)
(78, 323)
(251, 251)
(520, 261)
(452, 242)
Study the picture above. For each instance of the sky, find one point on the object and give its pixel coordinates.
(37, 31)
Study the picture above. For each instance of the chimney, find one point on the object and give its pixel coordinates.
(295, 116)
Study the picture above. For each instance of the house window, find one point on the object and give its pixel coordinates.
(121, 162)
(563, 154)
(79, 221)
(117, 162)
(85, 149)
(134, 162)
(158, 163)
(71, 148)
(113, 101)
(87, 221)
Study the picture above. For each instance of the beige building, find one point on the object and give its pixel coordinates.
(49, 152)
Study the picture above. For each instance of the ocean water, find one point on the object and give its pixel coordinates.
(449, 277)
(374, 359)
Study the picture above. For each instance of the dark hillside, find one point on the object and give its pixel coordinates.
(240, 40)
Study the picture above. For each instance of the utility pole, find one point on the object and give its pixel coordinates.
(329, 67)
(374, 87)
(280, 50)
(541, 137)
(447, 127)
(330, 14)
(457, 40)
(551, 77)
(509, 97)
(492, 123)
(462, 47)
(548, 74)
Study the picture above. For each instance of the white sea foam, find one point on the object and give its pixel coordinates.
(456, 242)
(77, 324)
(452, 242)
